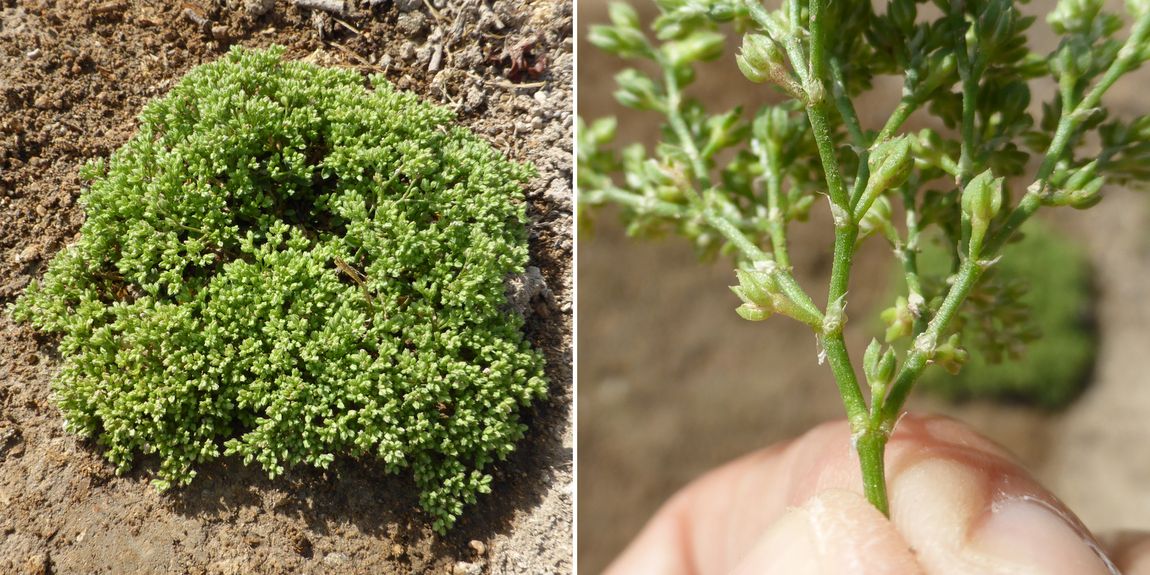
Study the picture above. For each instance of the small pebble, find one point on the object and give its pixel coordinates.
(257, 8)
(465, 568)
(478, 547)
(335, 558)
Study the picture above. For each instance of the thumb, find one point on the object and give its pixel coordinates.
(959, 521)
(835, 531)
(966, 507)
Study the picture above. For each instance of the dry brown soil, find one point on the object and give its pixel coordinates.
(673, 383)
(73, 76)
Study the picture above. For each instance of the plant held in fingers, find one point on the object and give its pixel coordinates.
(733, 182)
(288, 266)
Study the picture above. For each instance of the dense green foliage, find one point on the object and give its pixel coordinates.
(287, 266)
(1047, 279)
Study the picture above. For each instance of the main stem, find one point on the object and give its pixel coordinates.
(869, 438)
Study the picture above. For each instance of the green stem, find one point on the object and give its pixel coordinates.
(846, 108)
(908, 256)
(686, 140)
(846, 233)
(824, 139)
(845, 378)
(643, 203)
(923, 349)
(911, 102)
(871, 447)
(776, 223)
(898, 117)
(968, 73)
(817, 26)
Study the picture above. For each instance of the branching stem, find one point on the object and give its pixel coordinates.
(1069, 123)
(776, 222)
(869, 442)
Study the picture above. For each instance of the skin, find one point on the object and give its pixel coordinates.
(960, 504)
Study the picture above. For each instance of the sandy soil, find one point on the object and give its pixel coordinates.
(673, 383)
(72, 78)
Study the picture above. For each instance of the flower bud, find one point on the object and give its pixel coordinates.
(621, 41)
(761, 59)
(878, 219)
(757, 289)
(763, 296)
(902, 14)
(878, 366)
(637, 91)
(950, 356)
(600, 133)
(982, 197)
(899, 320)
(623, 15)
(1082, 176)
(1088, 195)
(890, 165)
(942, 67)
(1074, 16)
(981, 202)
(701, 45)
(1082, 189)
(722, 131)
(725, 11)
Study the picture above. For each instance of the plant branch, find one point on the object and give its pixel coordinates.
(686, 140)
(776, 223)
(924, 345)
(787, 283)
(868, 444)
(846, 108)
(968, 73)
(644, 203)
(1068, 124)
(898, 117)
(907, 254)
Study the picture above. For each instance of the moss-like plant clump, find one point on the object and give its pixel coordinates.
(288, 266)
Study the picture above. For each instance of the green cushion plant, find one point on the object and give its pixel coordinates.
(288, 266)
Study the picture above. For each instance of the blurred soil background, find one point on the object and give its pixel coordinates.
(673, 383)
(73, 77)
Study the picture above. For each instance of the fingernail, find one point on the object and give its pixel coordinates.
(1032, 535)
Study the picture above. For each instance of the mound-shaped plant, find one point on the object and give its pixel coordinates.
(288, 266)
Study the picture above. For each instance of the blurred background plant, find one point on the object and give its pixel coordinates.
(1050, 277)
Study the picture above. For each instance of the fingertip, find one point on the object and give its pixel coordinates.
(1032, 534)
(965, 509)
(835, 531)
(658, 550)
